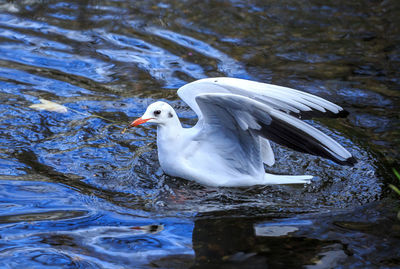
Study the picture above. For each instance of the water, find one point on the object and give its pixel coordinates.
(74, 192)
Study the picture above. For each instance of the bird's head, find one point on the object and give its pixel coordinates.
(158, 112)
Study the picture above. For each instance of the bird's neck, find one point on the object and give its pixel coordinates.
(169, 132)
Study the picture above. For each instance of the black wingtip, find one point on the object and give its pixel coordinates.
(342, 114)
(305, 115)
(283, 133)
(350, 161)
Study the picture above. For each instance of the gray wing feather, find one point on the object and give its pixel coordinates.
(230, 132)
(242, 115)
(285, 99)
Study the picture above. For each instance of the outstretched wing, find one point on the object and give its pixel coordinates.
(294, 102)
(230, 115)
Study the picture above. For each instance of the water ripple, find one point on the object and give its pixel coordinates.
(62, 61)
(226, 65)
(161, 64)
(12, 22)
(39, 83)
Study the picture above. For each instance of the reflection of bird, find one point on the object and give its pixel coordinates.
(237, 118)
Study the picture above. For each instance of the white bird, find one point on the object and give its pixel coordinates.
(236, 119)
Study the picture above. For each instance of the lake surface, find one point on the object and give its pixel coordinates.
(76, 193)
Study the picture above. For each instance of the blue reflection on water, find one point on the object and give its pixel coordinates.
(24, 80)
(77, 227)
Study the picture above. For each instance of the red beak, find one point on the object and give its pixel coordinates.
(138, 121)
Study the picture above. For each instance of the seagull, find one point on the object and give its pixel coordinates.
(237, 119)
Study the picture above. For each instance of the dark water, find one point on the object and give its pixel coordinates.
(74, 192)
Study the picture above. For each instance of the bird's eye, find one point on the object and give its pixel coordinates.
(157, 112)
